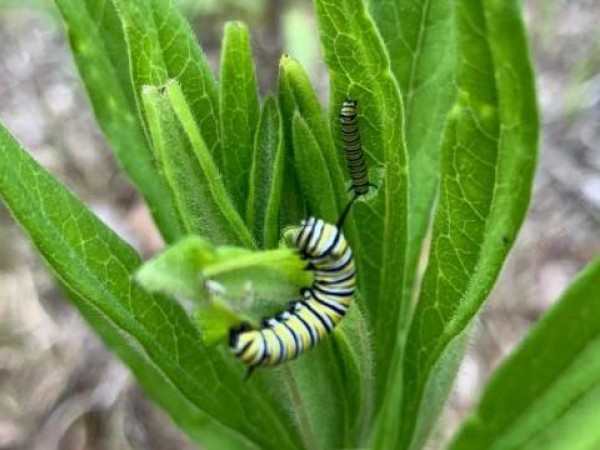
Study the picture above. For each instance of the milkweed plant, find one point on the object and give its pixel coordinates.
(448, 123)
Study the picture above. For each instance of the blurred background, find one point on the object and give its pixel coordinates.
(59, 388)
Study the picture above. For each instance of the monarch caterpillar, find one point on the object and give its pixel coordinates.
(323, 305)
(355, 156)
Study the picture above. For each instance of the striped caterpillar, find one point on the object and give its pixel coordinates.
(321, 307)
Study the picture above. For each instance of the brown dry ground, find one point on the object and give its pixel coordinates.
(59, 388)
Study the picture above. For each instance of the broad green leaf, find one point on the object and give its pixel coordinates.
(295, 208)
(359, 69)
(266, 177)
(152, 333)
(193, 266)
(162, 47)
(419, 36)
(98, 44)
(225, 285)
(199, 427)
(239, 111)
(546, 394)
(487, 166)
(202, 202)
(313, 172)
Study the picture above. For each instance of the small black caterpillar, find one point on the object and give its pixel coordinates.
(355, 156)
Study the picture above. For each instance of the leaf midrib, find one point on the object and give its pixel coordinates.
(416, 63)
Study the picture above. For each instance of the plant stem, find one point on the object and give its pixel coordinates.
(308, 434)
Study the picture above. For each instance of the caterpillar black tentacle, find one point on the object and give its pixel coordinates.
(321, 307)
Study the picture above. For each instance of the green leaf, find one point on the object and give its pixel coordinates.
(239, 111)
(215, 322)
(297, 98)
(174, 270)
(295, 209)
(487, 168)
(546, 393)
(200, 427)
(162, 47)
(419, 36)
(272, 277)
(313, 172)
(98, 44)
(202, 202)
(227, 285)
(266, 177)
(359, 69)
(151, 333)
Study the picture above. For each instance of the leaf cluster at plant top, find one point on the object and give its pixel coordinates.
(446, 111)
